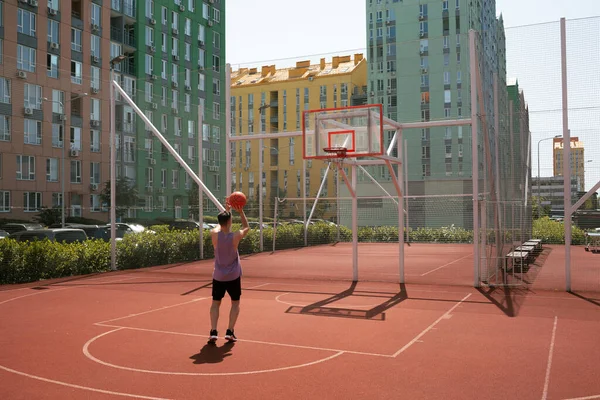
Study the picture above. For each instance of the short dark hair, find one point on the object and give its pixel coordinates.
(224, 217)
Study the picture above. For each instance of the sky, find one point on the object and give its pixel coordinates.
(265, 32)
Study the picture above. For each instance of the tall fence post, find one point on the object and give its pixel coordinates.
(475, 156)
(566, 153)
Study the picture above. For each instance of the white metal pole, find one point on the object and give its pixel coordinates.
(475, 156)
(260, 192)
(566, 154)
(62, 179)
(275, 222)
(166, 143)
(228, 128)
(113, 175)
(354, 226)
(312, 210)
(304, 202)
(400, 178)
(200, 174)
(405, 170)
(378, 184)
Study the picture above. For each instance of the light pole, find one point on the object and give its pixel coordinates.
(62, 168)
(539, 177)
(113, 168)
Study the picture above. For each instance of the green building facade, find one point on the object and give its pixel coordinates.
(419, 69)
(175, 72)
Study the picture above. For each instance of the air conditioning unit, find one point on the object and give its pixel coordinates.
(175, 110)
(175, 84)
(95, 90)
(152, 21)
(201, 43)
(175, 31)
(22, 74)
(95, 59)
(152, 49)
(421, 17)
(94, 122)
(175, 57)
(33, 3)
(424, 70)
(74, 153)
(95, 27)
(62, 117)
(188, 88)
(54, 45)
(181, 8)
(153, 77)
(161, 190)
(209, 23)
(94, 186)
(28, 111)
(154, 106)
(153, 161)
(52, 11)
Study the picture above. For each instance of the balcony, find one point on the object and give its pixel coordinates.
(124, 36)
(125, 7)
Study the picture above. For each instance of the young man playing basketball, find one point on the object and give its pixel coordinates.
(227, 270)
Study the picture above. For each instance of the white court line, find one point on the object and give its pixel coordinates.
(296, 346)
(56, 290)
(87, 353)
(430, 327)
(586, 398)
(39, 378)
(277, 299)
(445, 265)
(549, 366)
(257, 286)
(151, 311)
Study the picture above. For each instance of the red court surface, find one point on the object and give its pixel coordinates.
(142, 334)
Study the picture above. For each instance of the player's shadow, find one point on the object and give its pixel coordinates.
(377, 313)
(213, 354)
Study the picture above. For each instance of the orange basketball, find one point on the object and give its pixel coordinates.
(237, 200)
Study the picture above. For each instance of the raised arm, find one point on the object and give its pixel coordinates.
(245, 227)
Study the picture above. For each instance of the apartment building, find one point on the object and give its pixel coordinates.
(55, 125)
(271, 100)
(578, 160)
(174, 70)
(53, 141)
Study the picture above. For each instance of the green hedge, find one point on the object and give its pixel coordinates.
(29, 262)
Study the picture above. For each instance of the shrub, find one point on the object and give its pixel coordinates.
(553, 232)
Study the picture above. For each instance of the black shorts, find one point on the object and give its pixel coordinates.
(234, 288)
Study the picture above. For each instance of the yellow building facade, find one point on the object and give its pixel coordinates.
(270, 100)
(577, 160)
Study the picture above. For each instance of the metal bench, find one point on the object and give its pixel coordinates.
(517, 258)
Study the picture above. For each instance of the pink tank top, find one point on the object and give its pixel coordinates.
(227, 259)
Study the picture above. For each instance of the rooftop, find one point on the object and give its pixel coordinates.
(338, 65)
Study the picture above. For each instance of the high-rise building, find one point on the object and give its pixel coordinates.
(175, 67)
(577, 160)
(516, 147)
(271, 100)
(171, 50)
(418, 56)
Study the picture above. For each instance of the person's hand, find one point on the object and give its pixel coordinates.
(227, 205)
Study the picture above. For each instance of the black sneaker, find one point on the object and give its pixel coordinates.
(214, 335)
(229, 335)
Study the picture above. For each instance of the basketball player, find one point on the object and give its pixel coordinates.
(227, 270)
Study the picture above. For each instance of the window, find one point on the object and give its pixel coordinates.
(4, 132)
(32, 96)
(149, 65)
(76, 72)
(32, 201)
(94, 173)
(175, 20)
(96, 14)
(149, 8)
(217, 111)
(201, 58)
(188, 52)
(174, 46)
(95, 141)
(216, 86)
(58, 98)
(75, 171)
(95, 110)
(149, 36)
(188, 27)
(54, 4)
(52, 169)
(163, 44)
(53, 31)
(51, 65)
(148, 92)
(32, 131)
(26, 22)
(447, 96)
(25, 58)
(216, 40)
(163, 11)
(216, 15)
(216, 63)
(25, 168)
(4, 201)
(57, 135)
(95, 78)
(75, 138)
(4, 91)
(75, 39)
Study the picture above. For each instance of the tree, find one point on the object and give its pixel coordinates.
(49, 216)
(127, 195)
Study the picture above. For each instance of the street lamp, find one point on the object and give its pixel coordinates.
(62, 168)
(539, 177)
(113, 168)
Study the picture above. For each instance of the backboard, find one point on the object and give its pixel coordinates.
(359, 129)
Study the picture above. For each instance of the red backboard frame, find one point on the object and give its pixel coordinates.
(350, 153)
